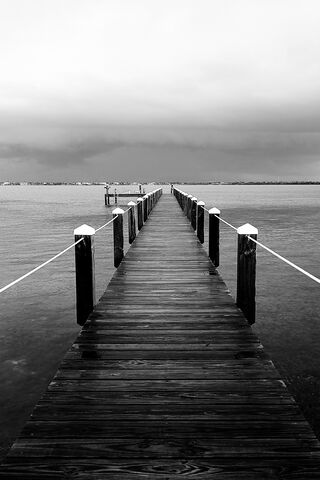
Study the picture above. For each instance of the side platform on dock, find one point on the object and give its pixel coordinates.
(166, 379)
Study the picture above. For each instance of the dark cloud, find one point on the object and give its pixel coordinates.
(69, 154)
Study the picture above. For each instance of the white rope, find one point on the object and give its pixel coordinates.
(224, 221)
(106, 224)
(221, 219)
(293, 265)
(6, 287)
(110, 221)
(39, 266)
(316, 279)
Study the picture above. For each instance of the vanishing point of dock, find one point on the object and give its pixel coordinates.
(166, 380)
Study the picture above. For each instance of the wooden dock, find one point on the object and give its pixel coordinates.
(166, 380)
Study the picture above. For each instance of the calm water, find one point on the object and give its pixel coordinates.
(38, 318)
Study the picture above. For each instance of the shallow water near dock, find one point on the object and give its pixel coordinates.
(38, 315)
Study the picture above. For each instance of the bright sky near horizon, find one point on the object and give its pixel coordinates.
(159, 90)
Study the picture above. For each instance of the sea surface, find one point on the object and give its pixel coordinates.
(37, 317)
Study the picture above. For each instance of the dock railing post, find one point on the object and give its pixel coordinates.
(189, 204)
(140, 212)
(118, 236)
(200, 221)
(106, 196)
(214, 234)
(85, 277)
(145, 208)
(185, 203)
(246, 271)
(149, 203)
(193, 213)
(131, 222)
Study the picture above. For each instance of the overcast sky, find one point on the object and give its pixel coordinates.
(159, 90)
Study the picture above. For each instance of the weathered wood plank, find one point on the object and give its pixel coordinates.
(166, 380)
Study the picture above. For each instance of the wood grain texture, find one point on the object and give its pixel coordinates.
(166, 380)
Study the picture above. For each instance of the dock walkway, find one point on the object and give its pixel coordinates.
(166, 380)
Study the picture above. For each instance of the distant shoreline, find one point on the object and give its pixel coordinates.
(89, 184)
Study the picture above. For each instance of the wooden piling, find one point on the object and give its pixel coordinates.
(185, 203)
(145, 208)
(193, 213)
(140, 212)
(131, 222)
(200, 221)
(85, 276)
(106, 196)
(214, 234)
(118, 236)
(149, 203)
(189, 204)
(246, 271)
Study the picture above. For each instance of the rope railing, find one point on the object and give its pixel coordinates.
(84, 251)
(221, 219)
(293, 265)
(106, 224)
(34, 270)
(247, 241)
(285, 260)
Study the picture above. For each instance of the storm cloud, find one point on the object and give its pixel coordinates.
(149, 90)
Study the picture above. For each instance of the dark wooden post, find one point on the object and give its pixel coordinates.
(193, 213)
(214, 236)
(149, 203)
(145, 208)
(200, 221)
(140, 212)
(115, 197)
(189, 206)
(185, 203)
(131, 222)
(85, 277)
(246, 271)
(118, 236)
(106, 196)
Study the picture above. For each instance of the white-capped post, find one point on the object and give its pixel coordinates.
(193, 213)
(145, 208)
(118, 236)
(85, 277)
(214, 234)
(246, 271)
(185, 203)
(189, 203)
(131, 222)
(200, 221)
(140, 212)
(149, 203)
